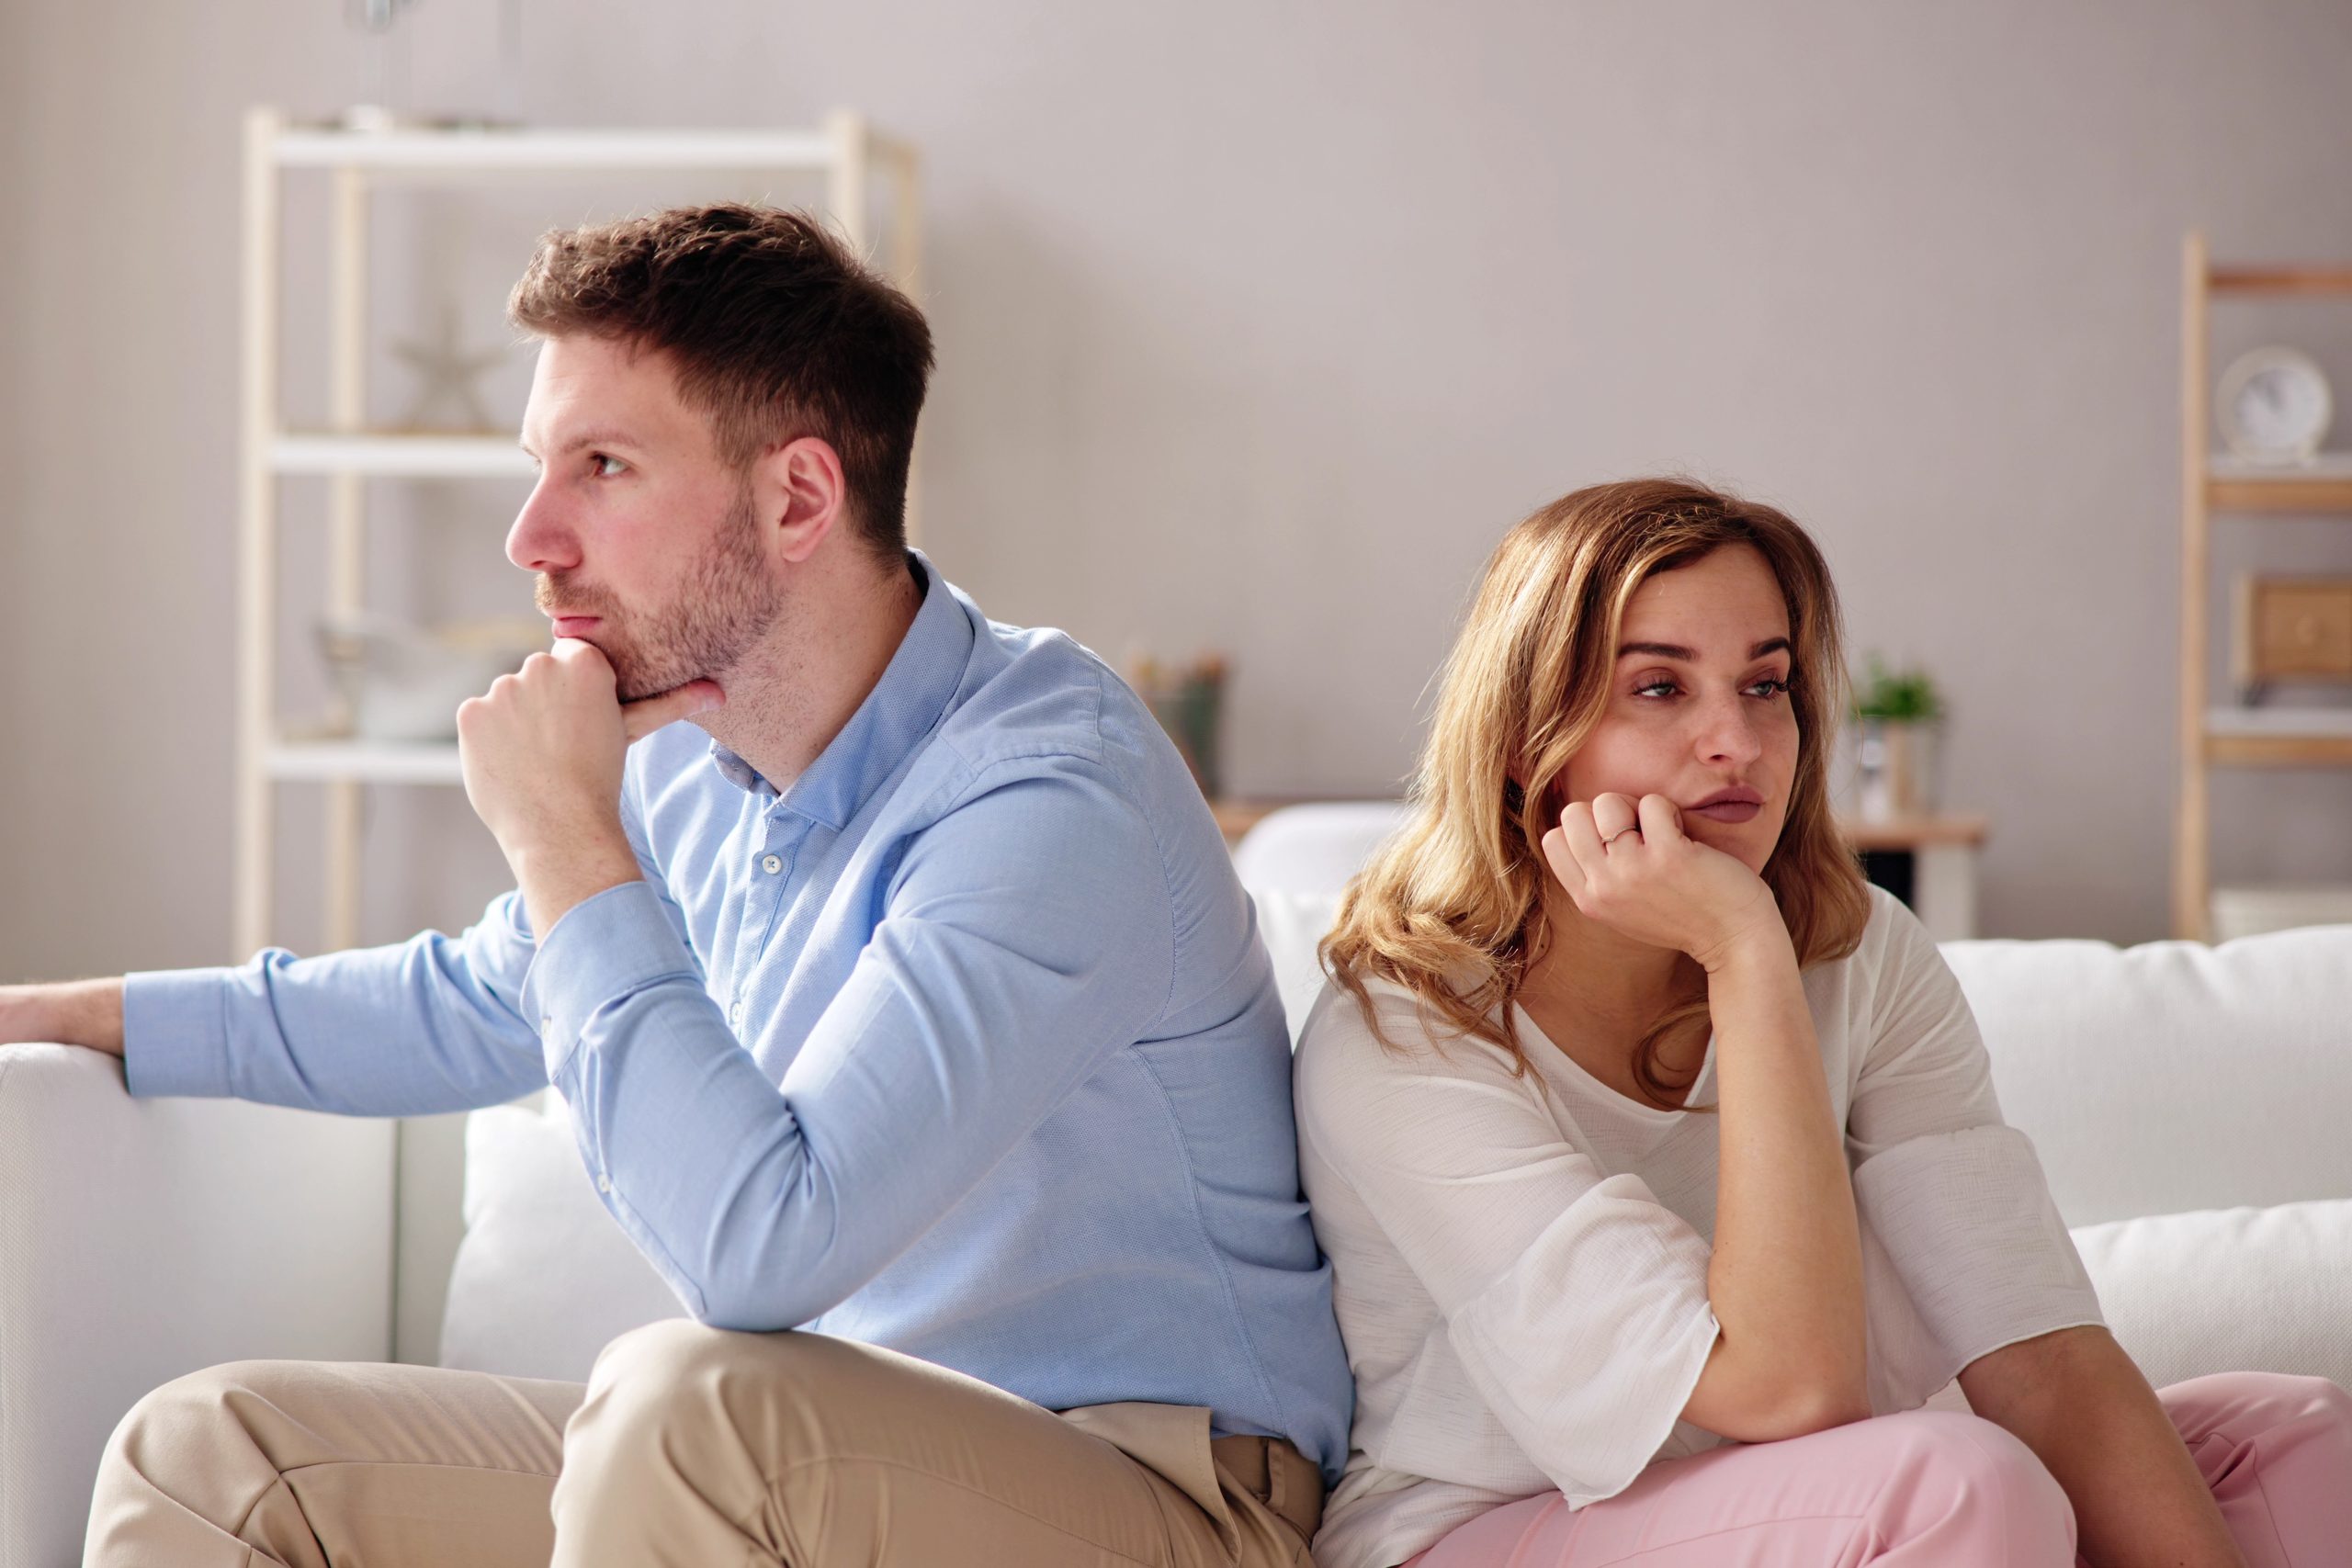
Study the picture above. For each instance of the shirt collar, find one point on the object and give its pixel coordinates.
(903, 707)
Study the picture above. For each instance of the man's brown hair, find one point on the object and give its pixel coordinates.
(775, 332)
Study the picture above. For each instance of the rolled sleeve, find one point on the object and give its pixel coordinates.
(1954, 1196)
(176, 1031)
(431, 1025)
(1966, 1219)
(1599, 1389)
(605, 949)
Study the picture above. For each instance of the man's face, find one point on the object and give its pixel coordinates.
(646, 543)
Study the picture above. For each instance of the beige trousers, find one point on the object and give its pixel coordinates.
(692, 1447)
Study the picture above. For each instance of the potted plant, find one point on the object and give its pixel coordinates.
(1899, 716)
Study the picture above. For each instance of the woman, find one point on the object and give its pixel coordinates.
(1634, 1120)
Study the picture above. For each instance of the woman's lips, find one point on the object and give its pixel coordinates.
(1728, 811)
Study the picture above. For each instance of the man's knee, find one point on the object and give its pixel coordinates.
(649, 1380)
(189, 1413)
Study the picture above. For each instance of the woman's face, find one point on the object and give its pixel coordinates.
(1698, 707)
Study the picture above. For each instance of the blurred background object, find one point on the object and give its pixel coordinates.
(1258, 326)
(1898, 718)
(1189, 702)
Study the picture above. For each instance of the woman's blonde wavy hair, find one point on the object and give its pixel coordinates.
(1451, 907)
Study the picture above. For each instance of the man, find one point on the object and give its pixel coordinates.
(912, 1022)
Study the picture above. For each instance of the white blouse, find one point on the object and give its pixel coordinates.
(1520, 1264)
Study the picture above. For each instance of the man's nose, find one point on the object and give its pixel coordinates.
(539, 541)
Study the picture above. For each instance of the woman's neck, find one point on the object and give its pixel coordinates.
(1595, 992)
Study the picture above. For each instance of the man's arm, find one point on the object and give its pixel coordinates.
(2076, 1399)
(65, 1012)
(1025, 936)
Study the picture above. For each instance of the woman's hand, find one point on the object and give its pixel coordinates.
(1632, 868)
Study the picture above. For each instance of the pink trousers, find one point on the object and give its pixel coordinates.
(1937, 1488)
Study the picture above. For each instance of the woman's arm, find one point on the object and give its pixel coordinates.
(2075, 1398)
(1786, 1273)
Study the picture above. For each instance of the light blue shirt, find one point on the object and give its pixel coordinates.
(965, 1045)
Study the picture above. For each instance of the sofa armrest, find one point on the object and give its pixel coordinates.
(141, 1239)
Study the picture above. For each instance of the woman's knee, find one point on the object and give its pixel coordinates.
(1970, 1469)
(2248, 1405)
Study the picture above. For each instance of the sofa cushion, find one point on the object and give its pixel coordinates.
(544, 1277)
(2258, 1289)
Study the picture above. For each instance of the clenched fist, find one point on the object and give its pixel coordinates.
(1631, 867)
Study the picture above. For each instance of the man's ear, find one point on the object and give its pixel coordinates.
(799, 495)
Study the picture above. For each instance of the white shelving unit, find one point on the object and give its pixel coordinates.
(856, 163)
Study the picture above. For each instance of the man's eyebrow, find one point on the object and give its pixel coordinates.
(1674, 650)
(609, 436)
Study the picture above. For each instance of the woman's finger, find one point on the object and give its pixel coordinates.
(1562, 861)
(1661, 819)
(1582, 837)
(1612, 817)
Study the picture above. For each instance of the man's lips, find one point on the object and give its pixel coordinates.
(573, 626)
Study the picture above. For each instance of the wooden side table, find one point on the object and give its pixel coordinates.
(1930, 863)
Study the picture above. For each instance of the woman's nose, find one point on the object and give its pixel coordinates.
(1729, 733)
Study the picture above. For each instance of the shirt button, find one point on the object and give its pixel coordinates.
(604, 1184)
(546, 1021)
(735, 1013)
(770, 864)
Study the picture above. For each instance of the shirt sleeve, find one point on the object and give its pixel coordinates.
(1026, 935)
(431, 1025)
(1954, 1196)
(1575, 1301)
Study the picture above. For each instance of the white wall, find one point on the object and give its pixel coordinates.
(1259, 323)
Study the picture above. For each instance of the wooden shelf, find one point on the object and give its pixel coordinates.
(492, 150)
(2214, 483)
(2324, 484)
(2279, 281)
(2278, 738)
(401, 456)
(367, 762)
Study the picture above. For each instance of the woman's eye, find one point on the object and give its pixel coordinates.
(598, 462)
(1649, 688)
(1771, 686)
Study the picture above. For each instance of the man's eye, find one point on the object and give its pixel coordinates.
(598, 462)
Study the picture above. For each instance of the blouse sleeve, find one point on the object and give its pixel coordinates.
(1954, 1196)
(1575, 1301)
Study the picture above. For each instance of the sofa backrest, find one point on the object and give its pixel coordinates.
(2152, 1079)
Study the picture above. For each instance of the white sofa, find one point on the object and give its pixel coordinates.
(2188, 1103)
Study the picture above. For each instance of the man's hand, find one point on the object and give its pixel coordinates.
(65, 1012)
(542, 754)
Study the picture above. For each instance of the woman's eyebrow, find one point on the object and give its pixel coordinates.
(1674, 650)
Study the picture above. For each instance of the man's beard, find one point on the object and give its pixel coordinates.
(727, 603)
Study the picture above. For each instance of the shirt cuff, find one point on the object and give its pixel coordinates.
(603, 949)
(1967, 1221)
(176, 1031)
